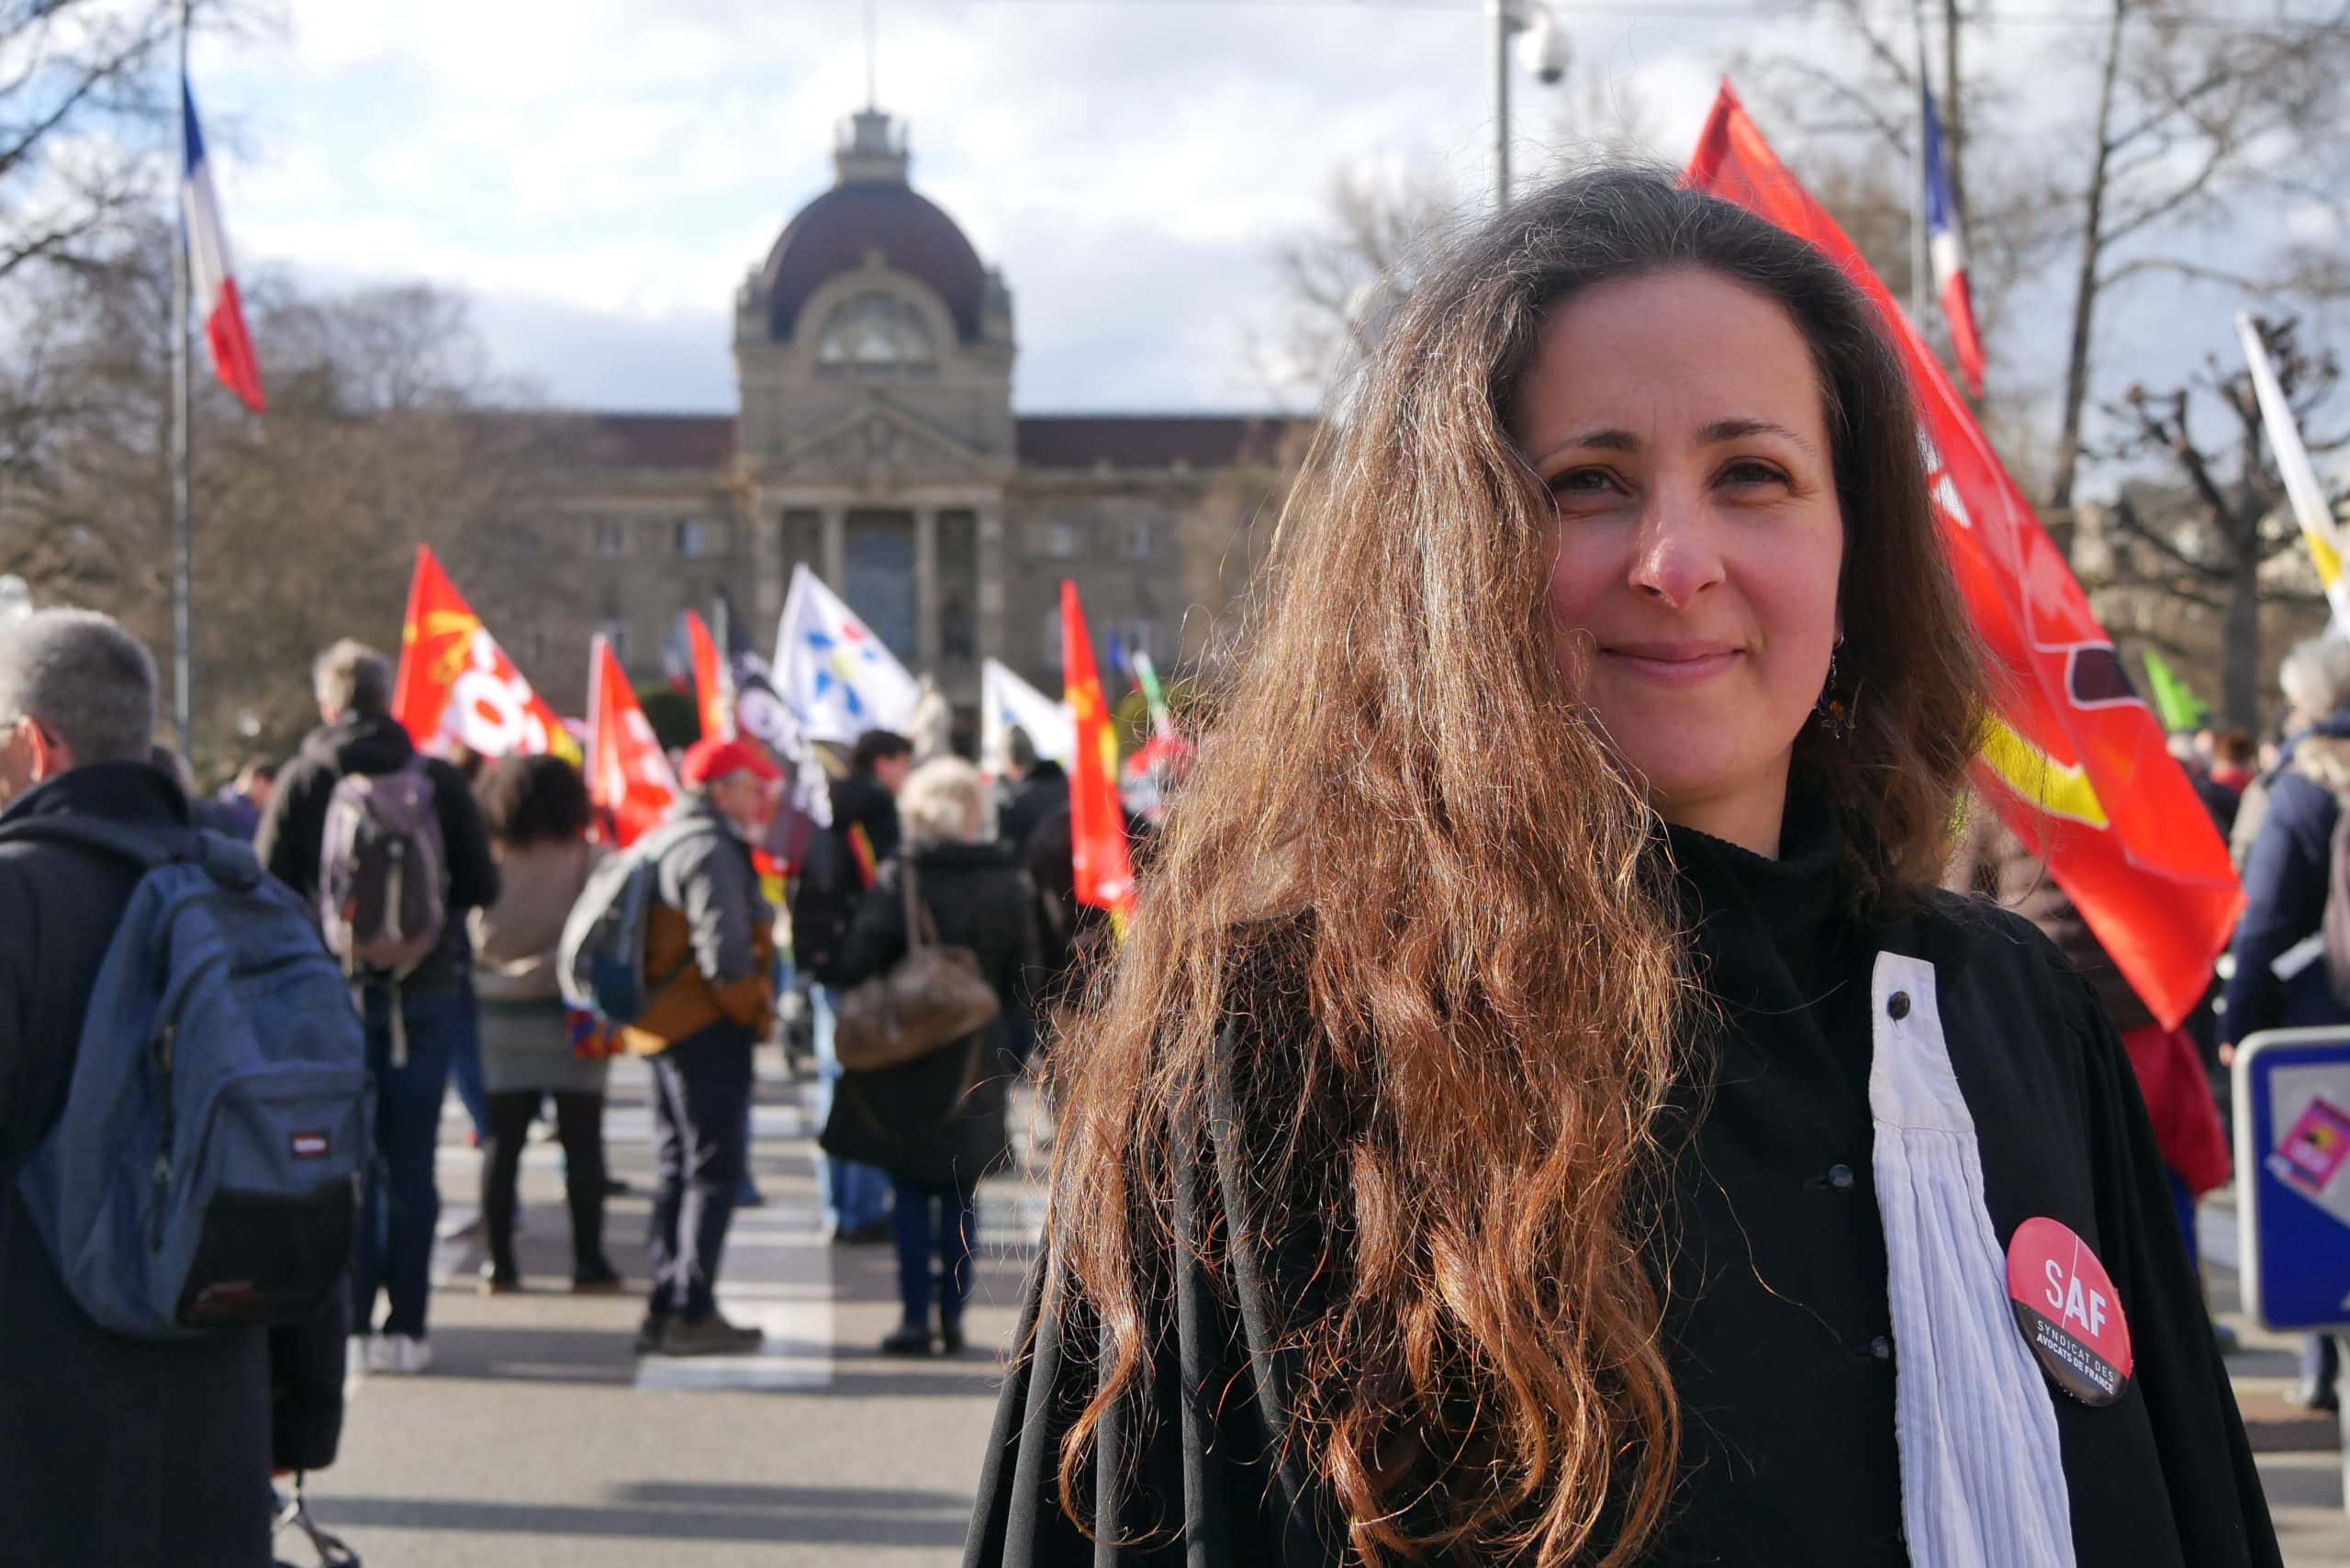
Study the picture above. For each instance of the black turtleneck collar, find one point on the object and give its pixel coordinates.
(124, 791)
(1768, 929)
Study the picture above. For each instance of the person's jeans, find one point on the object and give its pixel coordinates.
(2182, 1203)
(579, 1123)
(699, 1087)
(853, 1195)
(464, 1071)
(941, 1219)
(399, 1203)
(2321, 1362)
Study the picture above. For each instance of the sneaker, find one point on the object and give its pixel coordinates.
(650, 1333)
(380, 1356)
(494, 1284)
(403, 1355)
(907, 1339)
(713, 1336)
(359, 1358)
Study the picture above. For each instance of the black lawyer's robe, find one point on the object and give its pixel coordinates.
(1778, 1327)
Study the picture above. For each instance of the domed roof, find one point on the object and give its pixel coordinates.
(872, 208)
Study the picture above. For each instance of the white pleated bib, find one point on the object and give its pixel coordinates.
(1982, 1470)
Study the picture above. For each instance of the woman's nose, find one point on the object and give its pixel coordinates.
(1675, 557)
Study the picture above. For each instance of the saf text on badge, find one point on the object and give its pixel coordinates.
(2067, 1306)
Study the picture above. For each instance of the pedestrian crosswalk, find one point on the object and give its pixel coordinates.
(780, 1273)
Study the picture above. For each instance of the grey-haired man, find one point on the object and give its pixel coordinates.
(128, 1453)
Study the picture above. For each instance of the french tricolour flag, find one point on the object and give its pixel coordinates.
(213, 287)
(1949, 253)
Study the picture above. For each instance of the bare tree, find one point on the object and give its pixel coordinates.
(2211, 536)
(86, 103)
(2193, 113)
(377, 439)
(1341, 280)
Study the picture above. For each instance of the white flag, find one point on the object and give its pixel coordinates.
(2309, 508)
(832, 672)
(1006, 701)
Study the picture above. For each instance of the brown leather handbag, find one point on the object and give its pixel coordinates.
(930, 999)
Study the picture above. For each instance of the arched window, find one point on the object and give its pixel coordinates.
(875, 328)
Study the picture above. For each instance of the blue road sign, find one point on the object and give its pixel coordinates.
(2293, 1094)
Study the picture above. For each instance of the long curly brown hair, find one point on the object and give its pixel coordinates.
(1481, 933)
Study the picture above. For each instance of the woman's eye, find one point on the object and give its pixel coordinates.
(1750, 472)
(1583, 482)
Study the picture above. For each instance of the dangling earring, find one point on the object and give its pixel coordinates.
(1835, 714)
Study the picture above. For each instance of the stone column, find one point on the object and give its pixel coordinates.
(991, 586)
(927, 589)
(765, 524)
(835, 549)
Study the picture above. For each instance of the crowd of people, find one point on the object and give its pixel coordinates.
(1651, 1153)
(453, 956)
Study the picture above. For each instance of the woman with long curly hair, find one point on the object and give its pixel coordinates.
(1545, 1112)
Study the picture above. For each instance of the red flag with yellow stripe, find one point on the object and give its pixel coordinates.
(1106, 875)
(2074, 760)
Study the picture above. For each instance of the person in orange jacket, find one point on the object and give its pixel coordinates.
(709, 949)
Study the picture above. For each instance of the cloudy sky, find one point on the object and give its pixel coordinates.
(599, 176)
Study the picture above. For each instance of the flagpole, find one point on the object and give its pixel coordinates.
(1920, 269)
(182, 523)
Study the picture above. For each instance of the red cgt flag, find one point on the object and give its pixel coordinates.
(456, 686)
(713, 703)
(2074, 760)
(1105, 874)
(627, 777)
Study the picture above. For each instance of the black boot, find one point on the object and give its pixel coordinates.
(907, 1339)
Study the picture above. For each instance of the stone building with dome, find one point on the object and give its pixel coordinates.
(876, 441)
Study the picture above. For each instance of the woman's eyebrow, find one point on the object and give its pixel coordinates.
(1604, 440)
(1610, 438)
(1738, 428)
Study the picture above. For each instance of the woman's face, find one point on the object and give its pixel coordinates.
(1676, 420)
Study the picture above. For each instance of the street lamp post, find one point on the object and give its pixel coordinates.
(1543, 47)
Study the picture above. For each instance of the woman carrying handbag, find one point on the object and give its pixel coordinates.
(934, 1118)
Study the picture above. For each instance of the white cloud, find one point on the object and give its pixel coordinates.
(601, 171)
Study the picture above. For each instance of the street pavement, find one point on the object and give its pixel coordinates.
(538, 1438)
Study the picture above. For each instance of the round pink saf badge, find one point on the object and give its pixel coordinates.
(2069, 1312)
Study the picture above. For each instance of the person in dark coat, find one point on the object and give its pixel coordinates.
(1542, 1111)
(1039, 789)
(939, 1124)
(436, 1025)
(2280, 981)
(842, 861)
(115, 1452)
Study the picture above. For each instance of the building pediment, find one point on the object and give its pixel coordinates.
(879, 448)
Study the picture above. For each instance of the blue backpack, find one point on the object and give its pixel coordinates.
(205, 1172)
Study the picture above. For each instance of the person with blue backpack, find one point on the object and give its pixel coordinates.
(183, 1114)
(388, 849)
